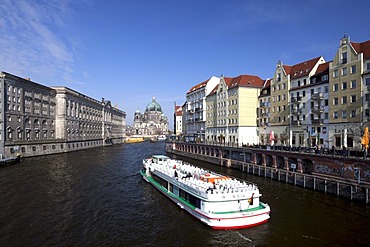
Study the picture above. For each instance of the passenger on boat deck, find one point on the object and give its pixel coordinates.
(175, 174)
(210, 189)
(187, 175)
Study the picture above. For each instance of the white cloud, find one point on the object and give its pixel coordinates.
(34, 39)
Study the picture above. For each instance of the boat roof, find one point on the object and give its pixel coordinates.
(160, 156)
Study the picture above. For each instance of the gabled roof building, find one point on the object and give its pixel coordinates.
(231, 110)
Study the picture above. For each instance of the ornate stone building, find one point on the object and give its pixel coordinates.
(150, 123)
(39, 120)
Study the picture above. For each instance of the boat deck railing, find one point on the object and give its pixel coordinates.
(222, 188)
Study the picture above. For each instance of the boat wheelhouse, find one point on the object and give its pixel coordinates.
(218, 201)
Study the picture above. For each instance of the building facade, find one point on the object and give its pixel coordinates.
(349, 93)
(38, 120)
(178, 120)
(195, 109)
(290, 102)
(231, 110)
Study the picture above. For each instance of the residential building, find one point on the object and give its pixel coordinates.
(195, 112)
(289, 100)
(231, 110)
(178, 120)
(349, 93)
(264, 113)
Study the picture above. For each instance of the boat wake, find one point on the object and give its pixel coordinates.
(231, 238)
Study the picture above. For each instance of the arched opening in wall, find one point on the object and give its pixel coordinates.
(307, 166)
(280, 162)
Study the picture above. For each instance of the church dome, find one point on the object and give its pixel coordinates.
(153, 106)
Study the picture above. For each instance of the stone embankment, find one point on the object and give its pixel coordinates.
(341, 176)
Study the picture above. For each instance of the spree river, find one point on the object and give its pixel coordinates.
(96, 197)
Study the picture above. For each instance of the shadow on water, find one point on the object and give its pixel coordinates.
(97, 197)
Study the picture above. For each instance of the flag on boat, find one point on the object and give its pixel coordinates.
(365, 138)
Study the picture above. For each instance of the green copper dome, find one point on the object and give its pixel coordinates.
(153, 106)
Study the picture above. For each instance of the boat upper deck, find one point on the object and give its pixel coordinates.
(209, 185)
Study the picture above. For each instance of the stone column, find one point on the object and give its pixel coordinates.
(264, 159)
(274, 161)
(254, 159)
(286, 163)
(299, 166)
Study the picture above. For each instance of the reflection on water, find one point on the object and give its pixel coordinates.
(97, 198)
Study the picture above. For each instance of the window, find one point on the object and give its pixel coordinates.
(344, 114)
(368, 66)
(326, 89)
(344, 85)
(335, 115)
(303, 93)
(344, 71)
(335, 73)
(335, 101)
(353, 113)
(353, 84)
(326, 115)
(353, 69)
(367, 81)
(335, 87)
(344, 99)
(278, 77)
(344, 57)
(353, 98)
(324, 77)
(326, 102)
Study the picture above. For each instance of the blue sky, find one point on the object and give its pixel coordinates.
(128, 51)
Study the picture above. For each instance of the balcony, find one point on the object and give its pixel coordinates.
(264, 104)
(295, 123)
(297, 99)
(317, 109)
(296, 111)
(265, 114)
(264, 124)
(317, 121)
(317, 96)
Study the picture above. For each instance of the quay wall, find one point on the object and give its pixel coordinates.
(332, 175)
(30, 149)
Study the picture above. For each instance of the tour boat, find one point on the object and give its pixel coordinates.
(218, 201)
(161, 138)
(134, 139)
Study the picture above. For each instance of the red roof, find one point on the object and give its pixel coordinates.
(244, 80)
(267, 83)
(287, 69)
(303, 69)
(200, 85)
(178, 110)
(363, 47)
(241, 81)
(324, 67)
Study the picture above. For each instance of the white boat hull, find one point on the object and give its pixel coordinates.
(219, 221)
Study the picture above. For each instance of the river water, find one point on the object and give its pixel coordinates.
(96, 197)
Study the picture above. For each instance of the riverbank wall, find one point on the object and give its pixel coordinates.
(340, 176)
